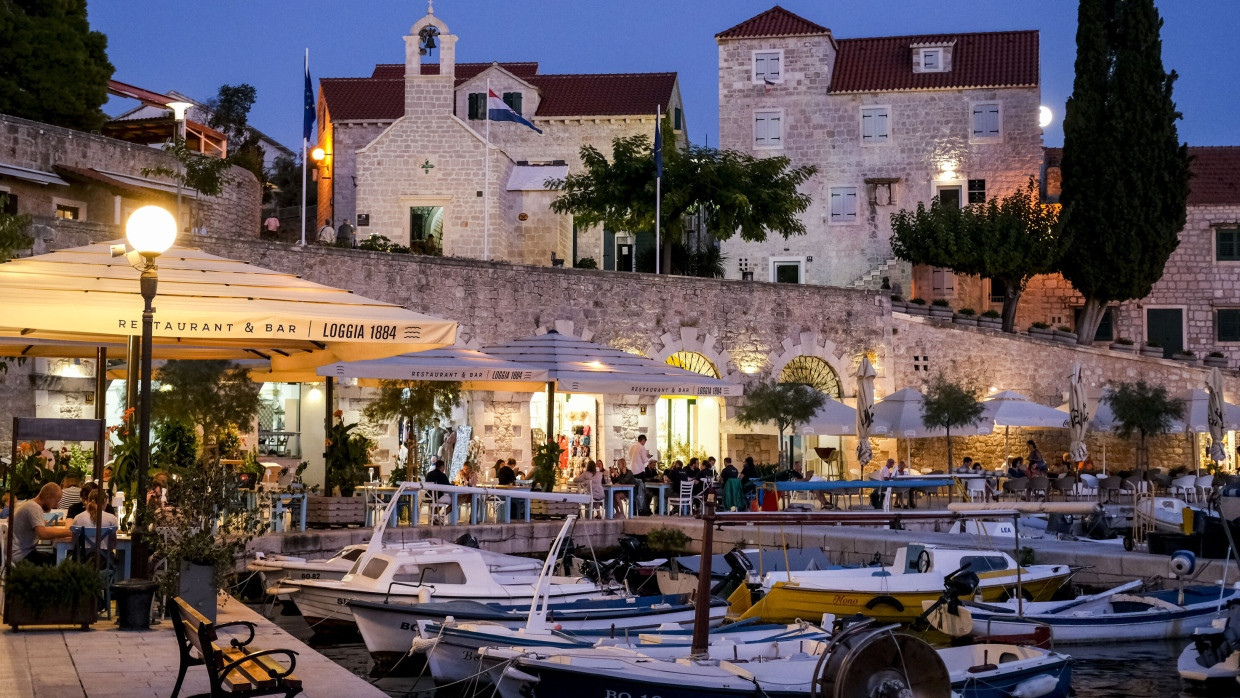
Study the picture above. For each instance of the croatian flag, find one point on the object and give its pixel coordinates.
(498, 111)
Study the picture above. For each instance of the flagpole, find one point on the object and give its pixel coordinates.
(658, 200)
(486, 185)
(303, 165)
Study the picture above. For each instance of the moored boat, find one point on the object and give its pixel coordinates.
(1001, 671)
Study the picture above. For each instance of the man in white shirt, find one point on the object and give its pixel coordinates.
(638, 452)
(884, 473)
(327, 234)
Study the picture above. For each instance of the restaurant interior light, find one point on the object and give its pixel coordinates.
(151, 230)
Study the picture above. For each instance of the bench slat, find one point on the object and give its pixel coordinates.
(291, 680)
(251, 670)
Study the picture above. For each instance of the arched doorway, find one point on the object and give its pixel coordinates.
(818, 374)
(688, 426)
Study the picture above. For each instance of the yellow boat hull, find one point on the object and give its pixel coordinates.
(788, 602)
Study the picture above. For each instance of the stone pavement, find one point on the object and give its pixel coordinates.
(104, 662)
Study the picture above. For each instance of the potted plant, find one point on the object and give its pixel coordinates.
(1123, 344)
(62, 595)
(1152, 349)
(917, 306)
(1142, 410)
(940, 308)
(1185, 356)
(898, 304)
(203, 533)
(966, 316)
(1041, 329)
(1065, 335)
(991, 319)
(1216, 359)
(346, 457)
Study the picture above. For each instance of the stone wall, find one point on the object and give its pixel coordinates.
(39, 146)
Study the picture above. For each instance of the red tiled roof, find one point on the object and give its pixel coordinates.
(464, 71)
(382, 96)
(369, 99)
(1216, 176)
(990, 59)
(603, 95)
(774, 22)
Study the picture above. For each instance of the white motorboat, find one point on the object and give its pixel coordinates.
(1212, 660)
(992, 670)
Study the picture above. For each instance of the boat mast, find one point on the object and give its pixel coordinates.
(537, 620)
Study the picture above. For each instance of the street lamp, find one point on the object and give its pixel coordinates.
(178, 115)
(150, 230)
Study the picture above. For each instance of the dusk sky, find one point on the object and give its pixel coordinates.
(194, 49)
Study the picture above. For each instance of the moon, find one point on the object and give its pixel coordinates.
(1044, 116)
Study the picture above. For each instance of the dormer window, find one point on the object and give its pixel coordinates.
(932, 59)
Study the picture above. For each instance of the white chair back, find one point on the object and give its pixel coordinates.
(1091, 481)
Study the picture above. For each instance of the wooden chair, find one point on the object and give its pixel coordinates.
(233, 669)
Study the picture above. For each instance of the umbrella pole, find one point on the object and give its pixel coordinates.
(327, 429)
(1006, 452)
(551, 413)
(101, 414)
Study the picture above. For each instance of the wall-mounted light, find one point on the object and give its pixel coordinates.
(315, 394)
(318, 154)
(947, 170)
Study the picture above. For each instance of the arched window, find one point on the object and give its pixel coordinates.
(693, 361)
(812, 371)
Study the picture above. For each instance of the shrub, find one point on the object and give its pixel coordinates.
(940, 303)
(1187, 352)
(1216, 355)
(38, 587)
(1040, 326)
(967, 312)
(1124, 341)
(918, 301)
(586, 263)
(1064, 328)
(667, 540)
(992, 314)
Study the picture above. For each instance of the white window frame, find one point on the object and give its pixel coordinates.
(786, 260)
(945, 272)
(855, 218)
(753, 66)
(765, 146)
(886, 135)
(999, 116)
(1214, 229)
(79, 205)
(961, 184)
(940, 51)
(1145, 322)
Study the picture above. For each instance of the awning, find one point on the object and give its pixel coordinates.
(474, 369)
(579, 366)
(66, 302)
(125, 185)
(901, 412)
(1011, 409)
(534, 177)
(36, 176)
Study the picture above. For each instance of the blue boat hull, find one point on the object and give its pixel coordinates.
(1003, 686)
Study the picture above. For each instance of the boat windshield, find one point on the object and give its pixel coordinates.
(984, 563)
(375, 568)
(351, 555)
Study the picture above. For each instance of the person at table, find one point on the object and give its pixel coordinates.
(624, 476)
(884, 473)
(649, 474)
(504, 473)
(966, 466)
(107, 481)
(902, 470)
(91, 514)
(438, 475)
(30, 526)
(591, 481)
(87, 491)
(708, 468)
(1035, 460)
(157, 496)
(729, 471)
(693, 470)
(70, 491)
(637, 451)
(6, 506)
(1017, 469)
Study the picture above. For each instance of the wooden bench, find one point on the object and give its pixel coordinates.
(235, 668)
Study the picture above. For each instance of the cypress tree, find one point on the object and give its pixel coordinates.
(1125, 172)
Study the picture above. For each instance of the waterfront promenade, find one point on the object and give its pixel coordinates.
(104, 662)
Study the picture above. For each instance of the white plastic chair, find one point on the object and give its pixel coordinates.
(1205, 486)
(1184, 486)
(1088, 486)
(685, 501)
(978, 490)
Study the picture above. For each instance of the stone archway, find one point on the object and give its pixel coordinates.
(811, 344)
(691, 340)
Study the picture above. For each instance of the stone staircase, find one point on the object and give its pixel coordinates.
(872, 280)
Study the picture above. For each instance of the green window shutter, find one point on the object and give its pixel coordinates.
(676, 121)
(473, 105)
(609, 249)
(1227, 245)
(1229, 325)
(513, 99)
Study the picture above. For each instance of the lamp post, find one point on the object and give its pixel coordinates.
(320, 157)
(178, 115)
(151, 231)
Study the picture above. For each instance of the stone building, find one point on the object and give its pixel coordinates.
(1196, 303)
(407, 156)
(888, 122)
(53, 173)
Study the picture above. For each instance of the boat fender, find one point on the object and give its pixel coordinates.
(884, 599)
(1036, 687)
(423, 644)
(512, 673)
(1183, 563)
(424, 595)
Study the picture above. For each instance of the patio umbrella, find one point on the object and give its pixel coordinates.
(474, 369)
(69, 302)
(575, 365)
(1009, 409)
(865, 411)
(900, 412)
(834, 418)
(1078, 411)
(1216, 417)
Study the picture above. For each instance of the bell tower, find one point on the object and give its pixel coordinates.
(429, 87)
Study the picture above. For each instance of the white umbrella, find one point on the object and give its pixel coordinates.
(1078, 411)
(865, 411)
(1009, 409)
(1216, 417)
(474, 369)
(834, 418)
(901, 413)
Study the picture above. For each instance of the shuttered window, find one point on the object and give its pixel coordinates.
(843, 204)
(767, 129)
(477, 106)
(874, 125)
(766, 67)
(942, 282)
(513, 99)
(677, 119)
(1227, 244)
(1229, 325)
(986, 121)
(977, 191)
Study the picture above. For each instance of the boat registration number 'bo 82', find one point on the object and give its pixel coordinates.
(349, 330)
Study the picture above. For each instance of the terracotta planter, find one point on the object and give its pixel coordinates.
(1124, 348)
(1152, 352)
(1215, 361)
(966, 320)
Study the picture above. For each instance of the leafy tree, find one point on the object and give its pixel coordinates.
(1009, 239)
(1125, 171)
(284, 180)
(420, 403)
(53, 67)
(950, 406)
(687, 260)
(230, 112)
(788, 405)
(13, 227)
(1143, 410)
(212, 395)
(735, 192)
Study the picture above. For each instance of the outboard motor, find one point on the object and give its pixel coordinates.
(1096, 527)
(740, 568)
(467, 540)
(1215, 648)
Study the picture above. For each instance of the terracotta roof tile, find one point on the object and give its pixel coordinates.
(991, 59)
(774, 22)
(381, 97)
(1216, 176)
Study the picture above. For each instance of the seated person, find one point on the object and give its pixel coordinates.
(591, 482)
(438, 476)
(30, 526)
(80, 507)
(70, 491)
(624, 476)
(1017, 468)
(504, 473)
(6, 505)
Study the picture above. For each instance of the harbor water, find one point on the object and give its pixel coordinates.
(1134, 670)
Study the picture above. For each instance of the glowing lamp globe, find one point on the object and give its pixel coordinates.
(151, 230)
(318, 154)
